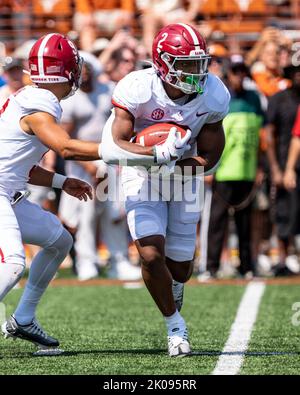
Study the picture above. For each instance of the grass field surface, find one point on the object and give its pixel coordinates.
(114, 330)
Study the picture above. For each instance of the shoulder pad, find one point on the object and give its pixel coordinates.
(216, 95)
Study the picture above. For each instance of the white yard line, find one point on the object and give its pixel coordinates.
(231, 359)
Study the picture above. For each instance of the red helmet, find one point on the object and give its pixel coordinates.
(55, 59)
(180, 56)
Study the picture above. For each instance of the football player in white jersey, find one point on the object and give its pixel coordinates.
(177, 89)
(28, 129)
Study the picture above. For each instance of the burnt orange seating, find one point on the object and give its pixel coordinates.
(83, 6)
(61, 7)
(236, 26)
(210, 7)
(236, 7)
(60, 15)
(125, 5)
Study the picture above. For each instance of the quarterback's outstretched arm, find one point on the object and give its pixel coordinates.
(52, 135)
(211, 143)
(74, 187)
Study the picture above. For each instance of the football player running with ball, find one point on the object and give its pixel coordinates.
(177, 89)
(28, 129)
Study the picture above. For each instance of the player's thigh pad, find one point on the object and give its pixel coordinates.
(181, 231)
(38, 227)
(146, 218)
(11, 247)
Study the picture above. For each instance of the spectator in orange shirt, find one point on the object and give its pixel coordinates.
(106, 16)
(267, 73)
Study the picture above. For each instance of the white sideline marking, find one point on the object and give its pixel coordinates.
(231, 360)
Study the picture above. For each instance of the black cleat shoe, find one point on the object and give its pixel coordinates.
(33, 333)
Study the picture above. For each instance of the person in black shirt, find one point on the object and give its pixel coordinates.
(281, 115)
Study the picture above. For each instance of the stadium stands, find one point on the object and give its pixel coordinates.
(242, 18)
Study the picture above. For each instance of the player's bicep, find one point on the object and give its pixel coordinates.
(116, 144)
(122, 126)
(44, 126)
(211, 143)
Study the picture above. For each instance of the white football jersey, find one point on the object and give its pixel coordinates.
(142, 93)
(19, 151)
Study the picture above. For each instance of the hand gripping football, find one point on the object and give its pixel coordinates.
(157, 134)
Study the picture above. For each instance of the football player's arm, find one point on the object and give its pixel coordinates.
(74, 187)
(123, 131)
(116, 147)
(211, 143)
(89, 167)
(40, 176)
(53, 136)
(68, 127)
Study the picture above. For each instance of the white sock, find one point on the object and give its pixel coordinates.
(10, 274)
(42, 270)
(175, 324)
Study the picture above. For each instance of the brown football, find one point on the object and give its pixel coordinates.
(157, 134)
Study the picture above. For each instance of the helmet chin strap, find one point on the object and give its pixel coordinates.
(75, 85)
(71, 93)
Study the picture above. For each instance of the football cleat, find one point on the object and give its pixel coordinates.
(33, 333)
(178, 289)
(178, 345)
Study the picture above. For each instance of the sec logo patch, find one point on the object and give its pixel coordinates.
(157, 114)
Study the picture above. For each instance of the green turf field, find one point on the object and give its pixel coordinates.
(112, 330)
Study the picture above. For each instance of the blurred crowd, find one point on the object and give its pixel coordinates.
(251, 214)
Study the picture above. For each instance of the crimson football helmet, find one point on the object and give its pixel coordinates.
(55, 59)
(180, 56)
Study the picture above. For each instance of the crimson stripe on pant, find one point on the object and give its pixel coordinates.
(2, 256)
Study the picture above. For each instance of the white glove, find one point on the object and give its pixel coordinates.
(173, 148)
